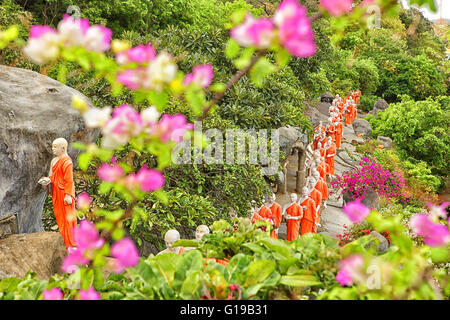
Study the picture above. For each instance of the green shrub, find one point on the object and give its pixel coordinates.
(419, 129)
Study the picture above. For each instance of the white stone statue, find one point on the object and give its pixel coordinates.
(170, 238)
(59, 149)
(201, 231)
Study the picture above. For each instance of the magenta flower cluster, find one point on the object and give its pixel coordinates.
(147, 180)
(371, 175)
(87, 238)
(290, 26)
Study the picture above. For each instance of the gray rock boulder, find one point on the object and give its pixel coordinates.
(34, 110)
(385, 141)
(324, 109)
(362, 126)
(41, 252)
(327, 97)
(314, 115)
(290, 137)
(380, 105)
(372, 199)
(383, 244)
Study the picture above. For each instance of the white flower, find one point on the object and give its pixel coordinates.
(97, 38)
(71, 32)
(96, 117)
(150, 114)
(161, 70)
(43, 49)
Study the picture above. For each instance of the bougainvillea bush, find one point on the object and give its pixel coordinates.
(371, 175)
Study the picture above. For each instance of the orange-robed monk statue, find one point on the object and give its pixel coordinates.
(63, 190)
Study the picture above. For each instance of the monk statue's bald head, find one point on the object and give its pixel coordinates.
(59, 147)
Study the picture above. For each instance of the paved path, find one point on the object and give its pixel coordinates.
(332, 218)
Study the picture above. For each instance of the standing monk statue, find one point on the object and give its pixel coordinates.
(63, 190)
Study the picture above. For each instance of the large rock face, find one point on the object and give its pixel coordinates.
(41, 252)
(34, 110)
(290, 136)
(362, 126)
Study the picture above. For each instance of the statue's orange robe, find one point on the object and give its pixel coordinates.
(349, 114)
(339, 130)
(329, 158)
(309, 216)
(275, 208)
(262, 213)
(293, 226)
(62, 184)
(323, 188)
(316, 195)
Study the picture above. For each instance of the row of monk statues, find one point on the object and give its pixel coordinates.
(302, 214)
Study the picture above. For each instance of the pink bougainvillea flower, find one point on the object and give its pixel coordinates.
(125, 123)
(344, 278)
(72, 260)
(297, 36)
(38, 31)
(288, 9)
(52, 294)
(125, 253)
(149, 179)
(171, 127)
(201, 75)
(97, 38)
(86, 236)
(337, 7)
(434, 234)
(295, 31)
(110, 173)
(140, 54)
(83, 201)
(43, 48)
(72, 31)
(89, 294)
(131, 78)
(356, 211)
(254, 32)
(349, 268)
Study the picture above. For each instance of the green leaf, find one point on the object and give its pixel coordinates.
(300, 280)
(440, 254)
(262, 68)
(159, 99)
(186, 243)
(196, 100)
(279, 248)
(259, 270)
(191, 286)
(282, 57)
(84, 160)
(245, 58)
(232, 49)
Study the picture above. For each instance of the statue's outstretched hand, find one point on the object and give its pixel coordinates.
(67, 199)
(44, 181)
